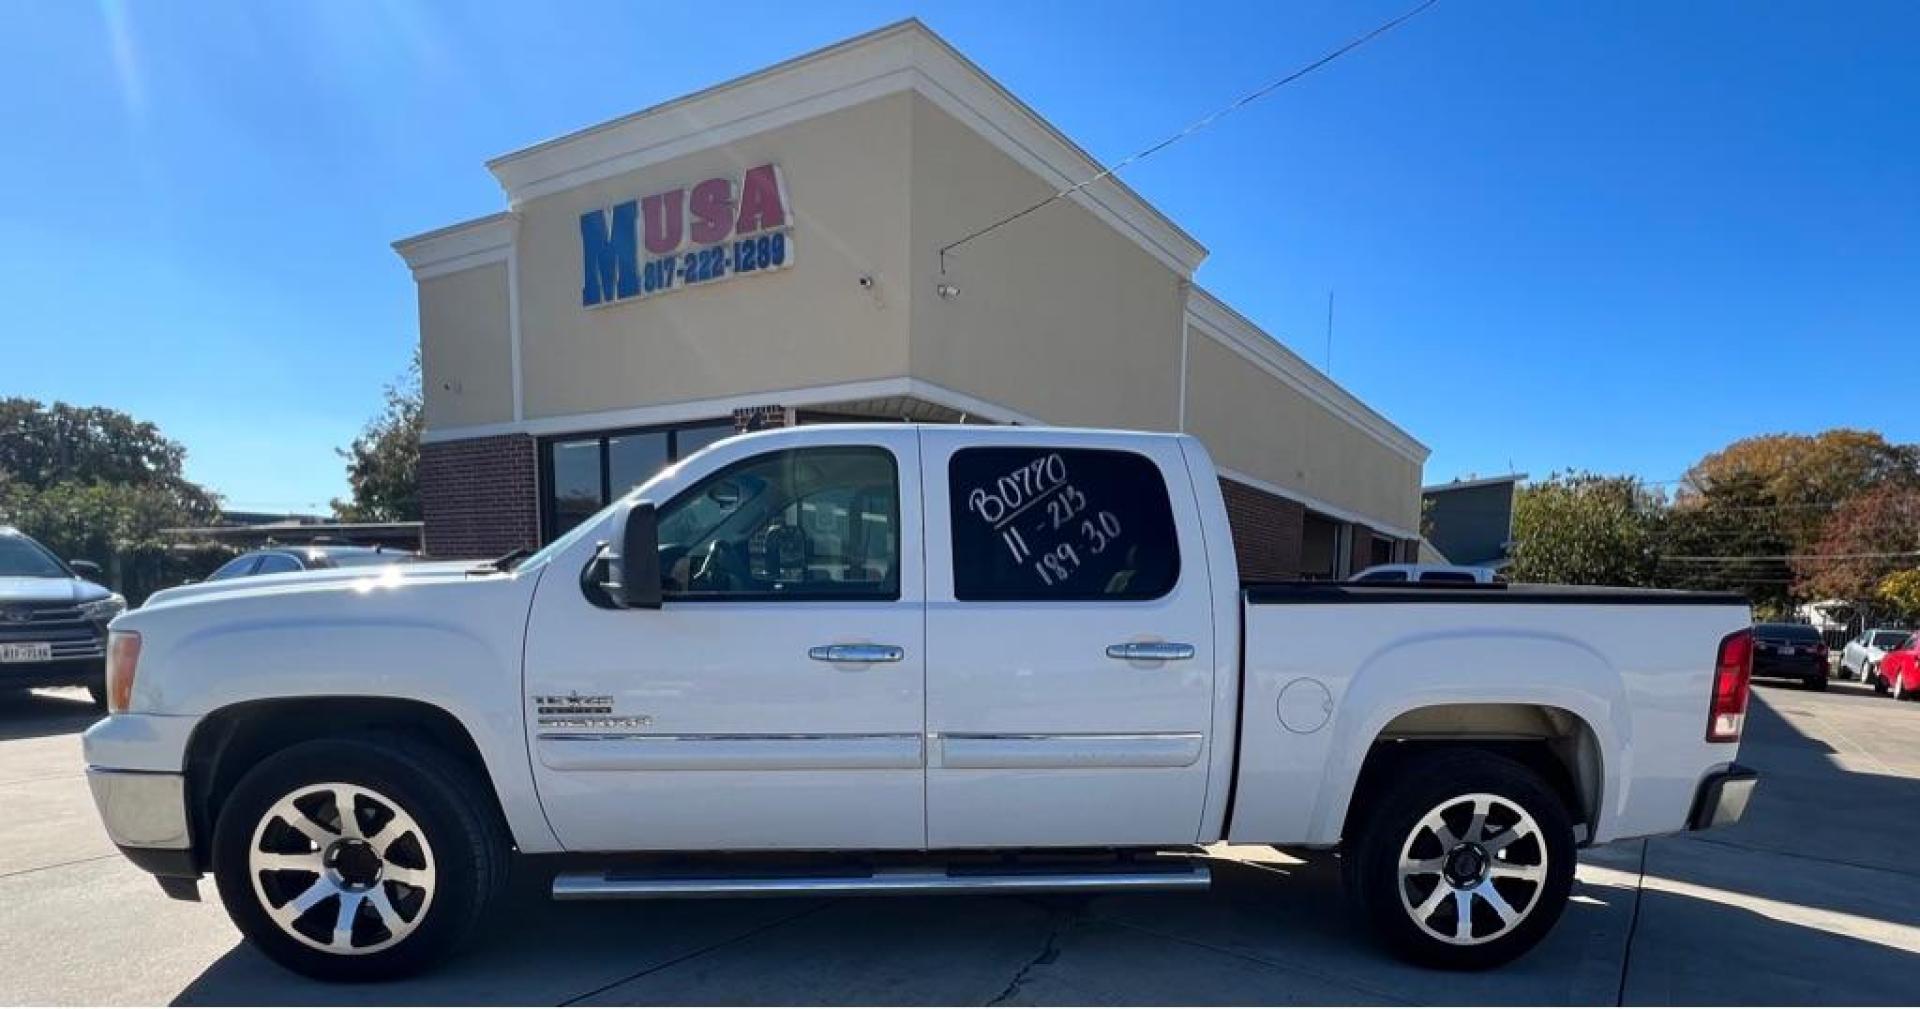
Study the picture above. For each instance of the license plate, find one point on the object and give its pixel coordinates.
(32, 651)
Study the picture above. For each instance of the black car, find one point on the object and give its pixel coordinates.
(53, 621)
(319, 556)
(1790, 652)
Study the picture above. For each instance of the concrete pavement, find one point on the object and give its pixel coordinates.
(1812, 900)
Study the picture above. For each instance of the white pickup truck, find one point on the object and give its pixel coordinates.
(899, 659)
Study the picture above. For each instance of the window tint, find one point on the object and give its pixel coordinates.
(1889, 639)
(239, 567)
(274, 564)
(1787, 632)
(1039, 523)
(1448, 576)
(820, 523)
(1383, 576)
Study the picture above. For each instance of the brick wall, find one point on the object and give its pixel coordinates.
(1360, 549)
(1266, 532)
(480, 497)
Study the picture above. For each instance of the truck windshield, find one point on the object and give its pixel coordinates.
(21, 557)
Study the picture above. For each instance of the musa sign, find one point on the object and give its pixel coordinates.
(684, 237)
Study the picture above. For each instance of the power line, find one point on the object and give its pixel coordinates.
(1794, 557)
(1195, 127)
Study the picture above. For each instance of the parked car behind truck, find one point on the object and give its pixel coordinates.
(956, 658)
(1790, 652)
(53, 619)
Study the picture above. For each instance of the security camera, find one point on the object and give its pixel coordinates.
(867, 282)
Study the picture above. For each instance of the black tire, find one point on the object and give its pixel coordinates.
(448, 803)
(1382, 898)
(1879, 684)
(1816, 683)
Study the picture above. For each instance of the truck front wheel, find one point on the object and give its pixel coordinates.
(1464, 863)
(359, 858)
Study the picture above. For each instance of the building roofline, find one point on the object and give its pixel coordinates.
(904, 56)
(1220, 321)
(460, 246)
(1485, 481)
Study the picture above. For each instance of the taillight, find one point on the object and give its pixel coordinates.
(123, 659)
(1731, 672)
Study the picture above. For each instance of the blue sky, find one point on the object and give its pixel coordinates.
(1610, 237)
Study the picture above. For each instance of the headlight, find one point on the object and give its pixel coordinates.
(123, 661)
(102, 610)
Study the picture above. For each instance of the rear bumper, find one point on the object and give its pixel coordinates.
(1790, 669)
(1722, 797)
(54, 673)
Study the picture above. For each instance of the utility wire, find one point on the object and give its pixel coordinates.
(1195, 127)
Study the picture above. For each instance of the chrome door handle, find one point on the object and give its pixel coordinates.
(856, 653)
(1150, 651)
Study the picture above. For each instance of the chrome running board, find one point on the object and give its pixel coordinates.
(903, 881)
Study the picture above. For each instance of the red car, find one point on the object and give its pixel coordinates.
(1899, 672)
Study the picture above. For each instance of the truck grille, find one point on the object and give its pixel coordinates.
(59, 624)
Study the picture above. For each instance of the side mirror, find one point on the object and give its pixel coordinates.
(633, 568)
(85, 569)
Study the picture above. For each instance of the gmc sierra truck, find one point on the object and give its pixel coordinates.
(898, 659)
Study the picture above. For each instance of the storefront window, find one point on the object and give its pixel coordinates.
(575, 483)
(632, 458)
(581, 473)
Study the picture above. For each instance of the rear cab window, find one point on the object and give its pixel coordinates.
(1457, 577)
(1059, 524)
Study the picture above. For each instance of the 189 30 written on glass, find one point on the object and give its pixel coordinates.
(1043, 523)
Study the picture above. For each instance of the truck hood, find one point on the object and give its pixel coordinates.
(391, 574)
(20, 589)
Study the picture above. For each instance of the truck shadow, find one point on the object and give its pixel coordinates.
(31, 714)
(1800, 903)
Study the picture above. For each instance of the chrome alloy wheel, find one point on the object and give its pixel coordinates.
(1472, 869)
(341, 868)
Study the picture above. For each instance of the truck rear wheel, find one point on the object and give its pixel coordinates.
(1464, 863)
(358, 859)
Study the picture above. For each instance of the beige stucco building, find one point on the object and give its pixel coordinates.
(768, 251)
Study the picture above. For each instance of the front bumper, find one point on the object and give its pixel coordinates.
(1722, 797)
(145, 813)
(91, 671)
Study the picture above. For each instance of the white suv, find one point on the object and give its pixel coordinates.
(1458, 574)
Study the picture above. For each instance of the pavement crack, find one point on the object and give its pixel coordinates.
(1380, 995)
(1061, 922)
(1633, 925)
(1783, 853)
(702, 951)
(58, 865)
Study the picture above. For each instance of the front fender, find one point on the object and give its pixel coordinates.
(455, 645)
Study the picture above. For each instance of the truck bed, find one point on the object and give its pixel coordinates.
(1617, 681)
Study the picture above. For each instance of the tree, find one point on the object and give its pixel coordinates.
(1900, 593)
(1789, 483)
(42, 446)
(1585, 529)
(1864, 539)
(1741, 511)
(383, 463)
(94, 483)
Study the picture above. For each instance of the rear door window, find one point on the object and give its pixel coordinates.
(1060, 524)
